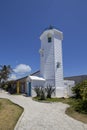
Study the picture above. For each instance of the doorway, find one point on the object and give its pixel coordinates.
(29, 88)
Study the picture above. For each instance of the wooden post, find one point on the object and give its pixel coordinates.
(17, 87)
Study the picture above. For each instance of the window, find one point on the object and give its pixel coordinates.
(58, 65)
(49, 39)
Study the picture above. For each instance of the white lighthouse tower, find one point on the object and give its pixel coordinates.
(51, 66)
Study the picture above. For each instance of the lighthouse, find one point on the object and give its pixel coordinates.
(51, 67)
(51, 64)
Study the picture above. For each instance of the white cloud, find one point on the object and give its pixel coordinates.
(22, 69)
(12, 77)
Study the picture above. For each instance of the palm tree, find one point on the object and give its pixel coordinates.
(5, 71)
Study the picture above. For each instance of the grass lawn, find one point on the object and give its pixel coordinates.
(9, 114)
(69, 111)
(78, 116)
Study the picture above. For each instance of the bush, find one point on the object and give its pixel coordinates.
(5, 87)
(37, 90)
(81, 106)
(9, 88)
(50, 90)
(42, 94)
(76, 91)
(80, 90)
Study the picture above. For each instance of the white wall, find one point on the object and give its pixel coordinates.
(36, 83)
(60, 92)
(47, 60)
(52, 54)
(58, 59)
(68, 84)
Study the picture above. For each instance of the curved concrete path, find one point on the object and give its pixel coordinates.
(43, 116)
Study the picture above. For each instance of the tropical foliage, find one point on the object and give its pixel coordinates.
(50, 90)
(9, 86)
(5, 71)
(81, 106)
(37, 90)
(44, 92)
(80, 91)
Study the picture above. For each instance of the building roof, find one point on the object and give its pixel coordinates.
(36, 78)
(77, 79)
(49, 28)
(35, 72)
(23, 78)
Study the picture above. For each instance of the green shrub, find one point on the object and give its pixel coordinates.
(80, 90)
(37, 90)
(76, 91)
(84, 93)
(49, 90)
(42, 93)
(81, 106)
(5, 87)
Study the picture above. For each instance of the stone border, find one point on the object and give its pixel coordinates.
(18, 122)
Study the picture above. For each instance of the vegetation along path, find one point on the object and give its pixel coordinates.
(43, 116)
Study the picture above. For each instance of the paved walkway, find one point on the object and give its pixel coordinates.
(43, 116)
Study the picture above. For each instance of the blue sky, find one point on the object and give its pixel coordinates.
(23, 21)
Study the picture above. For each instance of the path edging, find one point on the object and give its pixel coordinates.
(18, 122)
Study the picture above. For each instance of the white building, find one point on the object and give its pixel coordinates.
(51, 65)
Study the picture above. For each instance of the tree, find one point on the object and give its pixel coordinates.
(5, 71)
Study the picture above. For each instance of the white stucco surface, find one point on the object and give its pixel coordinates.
(68, 85)
(51, 65)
